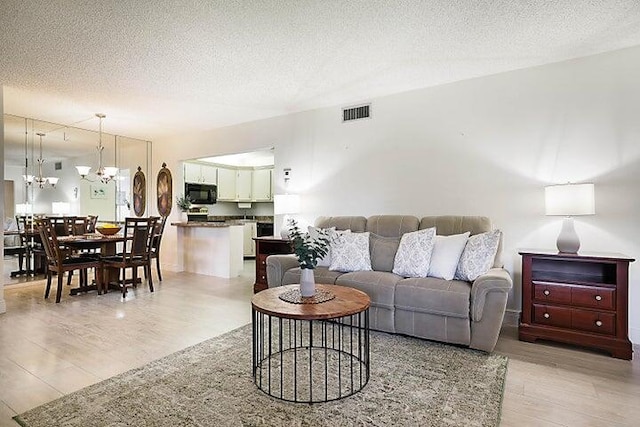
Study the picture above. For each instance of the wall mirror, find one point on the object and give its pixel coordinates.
(63, 148)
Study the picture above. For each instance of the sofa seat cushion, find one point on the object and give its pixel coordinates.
(435, 296)
(321, 275)
(379, 285)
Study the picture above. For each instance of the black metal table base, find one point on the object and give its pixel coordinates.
(311, 361)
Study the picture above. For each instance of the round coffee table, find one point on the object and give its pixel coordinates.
(311, 352)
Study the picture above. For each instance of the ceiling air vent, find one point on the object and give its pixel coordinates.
(356, 113)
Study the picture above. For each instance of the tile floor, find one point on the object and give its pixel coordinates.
(48, 350)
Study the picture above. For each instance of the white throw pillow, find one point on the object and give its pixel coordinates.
(446, 254)
(350, 252)
(325, 261)
(478, 255)
(414, 253)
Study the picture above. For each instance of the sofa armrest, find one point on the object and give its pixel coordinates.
(494, 280)
(277, 265)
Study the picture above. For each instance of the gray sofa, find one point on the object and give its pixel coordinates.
(451, 311)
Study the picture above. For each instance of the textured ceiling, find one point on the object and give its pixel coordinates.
(164, 67)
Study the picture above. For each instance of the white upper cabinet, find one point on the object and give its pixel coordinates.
(199, 173)
(226, 184)
(261, 185)
(243, 185)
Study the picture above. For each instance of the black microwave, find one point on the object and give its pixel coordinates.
(201, 194)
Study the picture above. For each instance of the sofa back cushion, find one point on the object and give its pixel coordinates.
(447, 225)
(383, 251)
(356, 224)
(392, 225)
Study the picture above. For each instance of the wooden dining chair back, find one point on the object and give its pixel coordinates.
(137, 247)
(156, 243)
(36, 260)
(59, 261)
(92, 220)
(78, 225)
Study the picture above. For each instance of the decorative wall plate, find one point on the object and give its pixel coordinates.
(139, 193)
(165, 191)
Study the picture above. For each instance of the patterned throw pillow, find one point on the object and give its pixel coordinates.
(325, 261)
(350, 252)
(446, 254)
(478, 255)
(414, 253)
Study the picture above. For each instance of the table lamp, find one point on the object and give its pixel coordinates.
(569, 200)
(287, 204)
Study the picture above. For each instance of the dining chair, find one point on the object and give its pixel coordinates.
(60, 261)
(92, 220)
(138, 234)
(155, 244)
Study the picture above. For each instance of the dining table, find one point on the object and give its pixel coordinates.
(106, 244)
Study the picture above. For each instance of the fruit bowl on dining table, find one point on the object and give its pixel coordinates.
(108, 229)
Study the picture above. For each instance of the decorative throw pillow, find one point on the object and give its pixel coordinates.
(446, 254)
(478, 255)
(325, 261)
(350, 252)
(414, 253)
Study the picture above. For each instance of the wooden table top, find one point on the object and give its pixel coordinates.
(348, 301)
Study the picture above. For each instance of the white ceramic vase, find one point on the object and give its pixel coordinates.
(184, 217)
(307, 282)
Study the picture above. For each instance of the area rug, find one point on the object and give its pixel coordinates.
(413, 383)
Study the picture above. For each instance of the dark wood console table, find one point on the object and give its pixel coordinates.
(266, 246)
(579, 299)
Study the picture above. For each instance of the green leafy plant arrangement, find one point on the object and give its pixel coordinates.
(184, 203)
(308, 249)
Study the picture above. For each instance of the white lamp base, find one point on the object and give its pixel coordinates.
(568, 241)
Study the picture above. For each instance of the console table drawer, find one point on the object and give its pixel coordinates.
(552, 316)
(594, 297)
(594, 321)
(548, 293)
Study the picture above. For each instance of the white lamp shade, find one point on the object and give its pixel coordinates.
(286, 204)
(61, 208)
(110, 171)
(570, 199)
(83, 170)
(28, 178)
(53, 180)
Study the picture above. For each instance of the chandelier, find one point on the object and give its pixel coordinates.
(104, 174)
(39, 179)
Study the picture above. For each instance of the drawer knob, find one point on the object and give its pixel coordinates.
(546, 292)
(598, 298)
(598, 323)
(546, 315)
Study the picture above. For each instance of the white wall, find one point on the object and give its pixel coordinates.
(485, 146)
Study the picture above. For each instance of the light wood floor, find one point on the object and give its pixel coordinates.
(48, 350)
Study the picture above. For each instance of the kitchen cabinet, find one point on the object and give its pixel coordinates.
(261, 185)
(577, 299)
(250, 232)
(199, 173)
(226, 184)
(243, 185)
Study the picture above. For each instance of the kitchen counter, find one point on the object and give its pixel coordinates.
(202, 224)
(210, 248)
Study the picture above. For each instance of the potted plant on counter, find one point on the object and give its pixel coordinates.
(308, 249)
(184, 204)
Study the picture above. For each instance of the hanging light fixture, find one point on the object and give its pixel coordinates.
(104, 174)
(39, 179)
